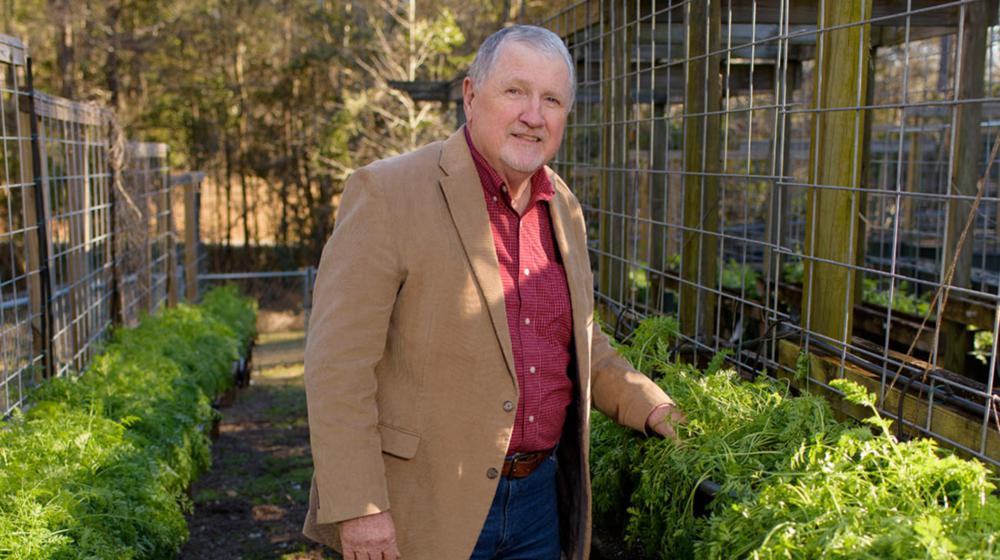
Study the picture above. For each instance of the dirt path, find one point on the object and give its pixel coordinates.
(252, 503)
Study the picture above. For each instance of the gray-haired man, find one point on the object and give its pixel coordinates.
(452, 357)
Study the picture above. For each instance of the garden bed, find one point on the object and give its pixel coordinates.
(790, 481)
(99, 464)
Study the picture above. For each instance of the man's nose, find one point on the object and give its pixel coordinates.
(532, 114)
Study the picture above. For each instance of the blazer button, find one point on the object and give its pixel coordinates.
(508, 406)
(492, 473)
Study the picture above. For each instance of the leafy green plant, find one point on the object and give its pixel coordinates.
(736, 276)
(795, 483)
(902, 299)
(97, 467)
(794, 271)
(982, 346)
(863, 495)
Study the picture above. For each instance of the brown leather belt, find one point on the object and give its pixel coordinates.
(521, 465)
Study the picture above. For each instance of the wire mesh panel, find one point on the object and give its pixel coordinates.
(809, 185)
(21, 354)
(73, 146)
(143, 230)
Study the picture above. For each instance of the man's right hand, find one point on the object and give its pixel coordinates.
(372, 537)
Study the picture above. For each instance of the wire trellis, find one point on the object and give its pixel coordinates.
(87, 233)
(793, 181)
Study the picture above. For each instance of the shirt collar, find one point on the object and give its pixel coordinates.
(493, 183)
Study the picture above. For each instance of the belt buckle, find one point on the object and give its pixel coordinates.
(515, 460)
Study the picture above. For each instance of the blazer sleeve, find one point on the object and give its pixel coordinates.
(618, 390)
(359, 275)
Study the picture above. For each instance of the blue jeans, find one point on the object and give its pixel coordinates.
(523, 522)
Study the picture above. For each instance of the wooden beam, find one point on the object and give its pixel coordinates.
(835, 159)
(945, 421)
(702, 158)
(922, 13)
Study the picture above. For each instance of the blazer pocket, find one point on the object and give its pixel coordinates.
(397, 442)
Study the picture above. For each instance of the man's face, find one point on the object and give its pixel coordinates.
(517, 116)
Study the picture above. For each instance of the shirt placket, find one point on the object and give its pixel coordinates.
(530, 312)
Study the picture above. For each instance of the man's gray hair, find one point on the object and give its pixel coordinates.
(530, 35)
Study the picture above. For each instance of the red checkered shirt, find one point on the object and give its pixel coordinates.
(536, 297)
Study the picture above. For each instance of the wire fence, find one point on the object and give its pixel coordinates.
(807, 186)
(87, 230)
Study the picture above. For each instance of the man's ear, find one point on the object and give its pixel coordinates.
(468, 93)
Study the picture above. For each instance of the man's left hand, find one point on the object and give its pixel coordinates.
(664, 420)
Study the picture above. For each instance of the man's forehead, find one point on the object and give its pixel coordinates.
(507, 68)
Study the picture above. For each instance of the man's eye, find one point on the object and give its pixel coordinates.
(554, 100)
(513, 91)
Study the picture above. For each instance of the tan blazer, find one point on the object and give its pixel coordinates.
(408, 362)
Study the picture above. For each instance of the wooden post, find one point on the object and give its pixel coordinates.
(615, 97)
(35, 245)
(191, 239)
(955, 341)
(861, 228)
(702, 160)
(604, 222)
(835, 159)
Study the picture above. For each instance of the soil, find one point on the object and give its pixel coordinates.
(252, 503)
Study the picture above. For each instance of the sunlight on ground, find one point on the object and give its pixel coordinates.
(282, 372)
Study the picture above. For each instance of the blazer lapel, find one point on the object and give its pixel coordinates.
(579, 292)
(464, 195)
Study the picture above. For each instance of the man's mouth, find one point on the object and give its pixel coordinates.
(526, 137)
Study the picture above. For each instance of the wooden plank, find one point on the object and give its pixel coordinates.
(702, 158)
(69, 111)
(945, 421)
(835, 159)
(930, 13)
(12, 50)
(147, 149)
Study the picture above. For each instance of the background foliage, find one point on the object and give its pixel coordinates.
(277, 100)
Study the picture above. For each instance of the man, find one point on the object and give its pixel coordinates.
(452, 353)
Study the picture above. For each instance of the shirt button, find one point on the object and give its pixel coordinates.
(494, 199)
(532, 369)
(531, 419)
(492, 473)
(504, 188)
(527, 271)
(527, 321)
(508, 406)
